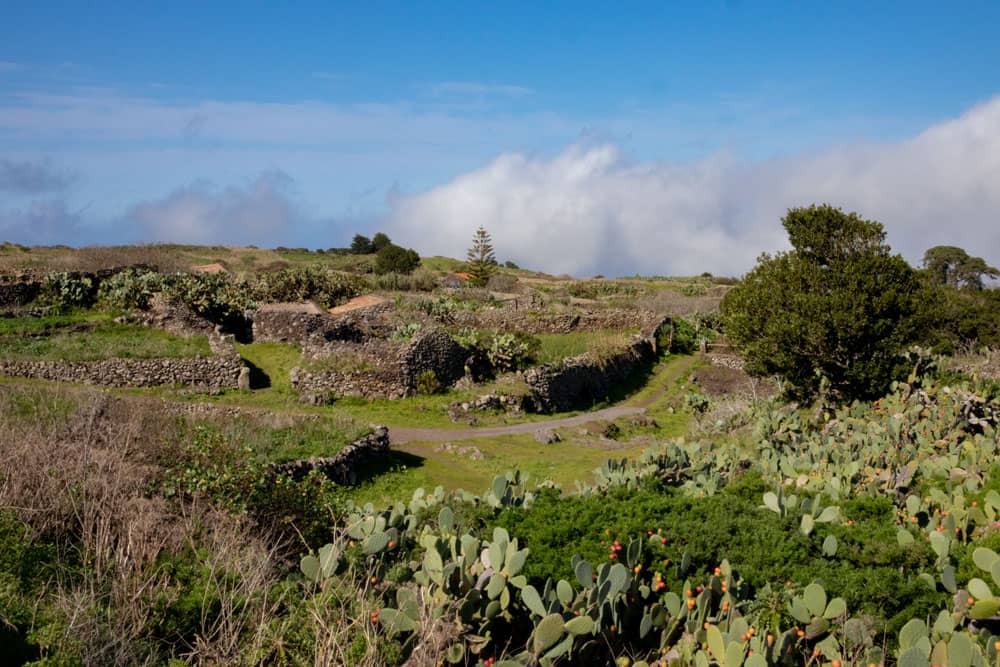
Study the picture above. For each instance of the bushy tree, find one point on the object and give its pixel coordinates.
(394, 259)
(379, 241)
(837, 308)
(952, 266)
(481, 260)
(361, 245)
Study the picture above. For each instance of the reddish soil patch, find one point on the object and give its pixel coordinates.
(292, 307)
(357, 303)
(724, 381)
(209, 268)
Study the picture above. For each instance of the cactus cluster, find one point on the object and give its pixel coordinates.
(929, 449)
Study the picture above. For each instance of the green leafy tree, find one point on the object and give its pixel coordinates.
(394, 259)
(952, 266)
(480, 258)
(379, 241)
(834, 312)
(361, 245)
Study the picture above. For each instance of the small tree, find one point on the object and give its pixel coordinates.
(394, 259)
(482, 262)
(379, 241)
(838, 308)
(951, 266)
(361, 245)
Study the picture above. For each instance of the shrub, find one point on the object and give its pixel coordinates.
(392, 258)
(65, 291)
(685, 338)
(595, 289)
(405, 331)
(838, 308)
(216, 297)
(512, 351)
(130, 289)
(302, 283)
(427, 383)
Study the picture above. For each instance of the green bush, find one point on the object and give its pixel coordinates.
(762, 548)
(130, 289)
(217, 297)
(428, 383)
(311, 282)
(831, 314)
(392, 258)
(512, 351)
(65, 291)
(595, 289)
(236, 479)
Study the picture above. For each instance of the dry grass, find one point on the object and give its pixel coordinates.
(78, 467)
(79, 478)
(673, 302)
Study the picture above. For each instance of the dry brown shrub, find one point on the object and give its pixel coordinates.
(80, 477)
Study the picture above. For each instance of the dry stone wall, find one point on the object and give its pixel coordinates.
(16, 292)
(307, 329)
(579, 382)
(396, 373)
(342, 468)
(209, 372)
(535, 323)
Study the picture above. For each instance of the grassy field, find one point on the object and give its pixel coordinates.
(68, 339)
(556, 347)
(429, 465)
(19, 326)
(271, 364)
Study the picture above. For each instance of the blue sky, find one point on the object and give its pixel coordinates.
(627, 126)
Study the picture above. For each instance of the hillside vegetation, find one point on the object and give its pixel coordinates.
(804, 470)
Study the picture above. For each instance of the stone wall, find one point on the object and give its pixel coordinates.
(313, 329)
(436, 351)
(176, 317)
(579, 382)
(342, 468)
(535, 323)
(15, 292)
(396, 372)
(320, 387)
(223, 370)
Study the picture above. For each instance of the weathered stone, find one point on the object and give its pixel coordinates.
(341, 468)
(223, 369)
(243, 382)
(547, 436)
(581, 381)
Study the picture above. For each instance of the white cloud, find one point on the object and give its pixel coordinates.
(590, 210)
(42, 222)
(262, 213)
(33, 177)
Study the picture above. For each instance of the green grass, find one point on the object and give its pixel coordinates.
(17, 326)
(271, 365)
(345, 362)
(419, 464)
(556, 347)
(303, 439)
(106, 340)
(439, 263)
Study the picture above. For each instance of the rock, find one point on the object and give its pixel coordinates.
(547, 436)
(243, 382)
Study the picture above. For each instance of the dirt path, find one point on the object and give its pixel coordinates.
(665, 379)
(400, 435)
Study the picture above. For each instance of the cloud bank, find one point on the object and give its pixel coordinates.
(261, 213)
(592, 210)
(31, 178)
